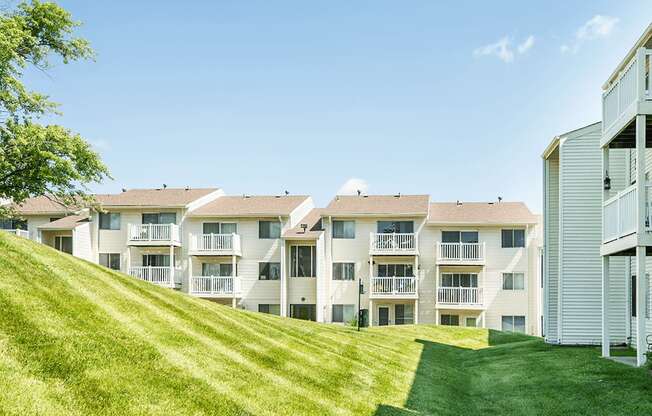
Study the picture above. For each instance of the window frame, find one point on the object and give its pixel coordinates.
(512, 236)
(344, 307)
(343, 236)
(343, 276)
(270, 236)
(268, 306)
(395, 266)
(109, 261)
(294, 263)
(513, 287)
(112, 216)
(268, 277)
(466, 321)
(459, 275)
(449, 317)
(513, 323)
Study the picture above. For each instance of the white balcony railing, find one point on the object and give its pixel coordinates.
(392, 242)
(19, 233)
(460, 295)
(619, 214)
(214, 285)
(162, 276)
(394, 286)
(460, 252)
(631, 85)
(154, 233)
(215, 242)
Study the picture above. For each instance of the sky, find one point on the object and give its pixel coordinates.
(455, 99)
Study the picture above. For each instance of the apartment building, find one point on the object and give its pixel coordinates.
(572, 198)
(400, 259)
(597, 202)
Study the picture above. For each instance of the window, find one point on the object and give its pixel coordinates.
(160, 218)
(63, 243)
(272, 309)
(109, 221)
(156, 260)
(513, 238)
(450, 320)
(514, 324)
(343, 271)
(269, 229)
(471, 321)
(13, 224)
(343, 313)
(459, 280)
(303, 311)
(216, 269)
(513, 281)
(269, 271)
(303, 261)
(343, 229)
(459, 237)
(110, 260)
(395, 227)
(219, 228)
(403, 314)
(395, 270)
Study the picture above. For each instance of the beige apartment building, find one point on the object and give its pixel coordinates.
(399, 259)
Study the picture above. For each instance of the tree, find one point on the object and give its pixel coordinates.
(38, 159)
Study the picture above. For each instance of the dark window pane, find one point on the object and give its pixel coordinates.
(519, 238)
(269, 229)
(338, 313)
(343, 229)
(302, 311)
(269, 271)
(469, 237)
(450, 236)
(211, 228)
(507, 238)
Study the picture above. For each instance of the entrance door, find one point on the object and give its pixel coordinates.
(383, 316)
(63, 243)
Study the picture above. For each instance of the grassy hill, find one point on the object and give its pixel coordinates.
(76, 338)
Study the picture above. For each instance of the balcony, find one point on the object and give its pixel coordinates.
(153, 235)
(215, 245)
(394, 288)
(161, 276)
(214, 286)
(629, 94)
(466, 297)
(460, 253)
(393, 243)
(17, 232)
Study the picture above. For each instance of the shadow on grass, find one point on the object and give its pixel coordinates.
(441, 384)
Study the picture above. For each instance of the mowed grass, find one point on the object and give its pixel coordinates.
(78, 339)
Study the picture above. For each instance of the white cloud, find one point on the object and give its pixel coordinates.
(352, 186)
(504, 50)
(501, 49)
(526, 45)
(597, 27)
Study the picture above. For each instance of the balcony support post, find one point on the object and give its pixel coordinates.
(233, 274)
(640, 175)
(171, 284)
(189, 274)
(641, 306)
(605, 307)
(284, 303)
(416, 311)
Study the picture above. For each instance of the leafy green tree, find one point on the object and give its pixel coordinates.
(37, 159)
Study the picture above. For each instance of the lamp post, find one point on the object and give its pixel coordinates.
(360, 291)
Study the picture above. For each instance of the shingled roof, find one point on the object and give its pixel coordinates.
(66, 223)
(162, 197)
(250, 206)
(480, 213)
(313, 230)
(43, 205)
(401, 205)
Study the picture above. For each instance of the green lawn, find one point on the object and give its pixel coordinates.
(78, 339)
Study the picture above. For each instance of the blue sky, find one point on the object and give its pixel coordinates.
(454, 99)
